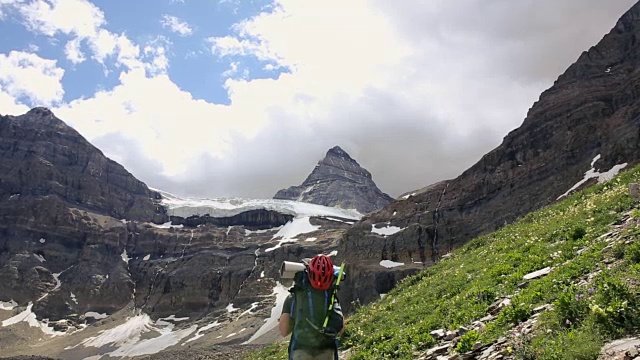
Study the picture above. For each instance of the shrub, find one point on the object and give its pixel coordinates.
(615, 308)
(467, 341)
(515, 314)
(572, 307)
(632, 254)
(578, 233)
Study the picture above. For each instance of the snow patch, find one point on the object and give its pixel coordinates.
(127, 338)
(407, 196)
(125, 256)
(174, 318)
(281, 293)
(95, 315)
(339, 220)
(592, 173)
(385, 231)
(231, 309)
(29, 317)
(73, 298)
(94, 357)
(249, 232)
(166, 225)
(147, 257)
(333, 253)
(390, 264)
(262, 274)
(311, 239)
(201, 331)
(292, 229)
(8, 305)
(248, 311)
(42, 240)
(39, 257)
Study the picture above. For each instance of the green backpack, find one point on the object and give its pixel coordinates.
(316, 323)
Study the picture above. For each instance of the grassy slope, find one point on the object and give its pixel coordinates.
(566, 236)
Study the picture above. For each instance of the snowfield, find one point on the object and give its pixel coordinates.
(224, 207)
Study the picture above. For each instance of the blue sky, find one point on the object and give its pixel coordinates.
(241, 98)
(193, 67)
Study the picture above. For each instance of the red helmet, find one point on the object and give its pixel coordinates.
(321, 272)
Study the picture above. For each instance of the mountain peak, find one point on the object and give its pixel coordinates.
(339, 181)
(338, 152)
(41, 110)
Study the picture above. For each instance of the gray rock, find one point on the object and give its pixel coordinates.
(338, 180)
(438, 350)
(437, 334)
(634, 191)
(450, 335)
(537, 274)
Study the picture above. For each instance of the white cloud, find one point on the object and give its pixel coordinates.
(176, 25)
(7, 5)
(400, 87)
(103, 44)
(82, 20)
(169, 124)
(9, 105)
(73, 52)
(26, 74)
(159, 62)
(233, 69)
(73, 17)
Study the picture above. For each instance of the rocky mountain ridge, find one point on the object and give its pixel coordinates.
(42, 156)
(87, 252)
(582, 130)
(339, 181)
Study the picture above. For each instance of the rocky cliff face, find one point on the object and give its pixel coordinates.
(338, 180)
(40, 155)
(586, 125)
(79, 238)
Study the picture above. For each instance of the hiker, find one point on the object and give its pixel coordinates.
(307, 312)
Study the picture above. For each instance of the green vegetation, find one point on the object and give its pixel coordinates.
(593, 286)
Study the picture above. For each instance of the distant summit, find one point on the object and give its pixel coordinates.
(338, 180)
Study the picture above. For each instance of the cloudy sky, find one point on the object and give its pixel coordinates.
(242, 98)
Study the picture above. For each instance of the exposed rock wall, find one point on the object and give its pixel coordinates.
(41, 156)
(592, 112)
(258, 219)
(338, 180)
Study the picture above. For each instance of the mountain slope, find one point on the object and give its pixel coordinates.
(582, 130)
(85, 269)
(338, 180)
(557, 284)
(40, 155)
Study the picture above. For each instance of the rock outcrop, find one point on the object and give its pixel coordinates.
(40, 156)
(81, 239)
(581, 130)
(338, 180)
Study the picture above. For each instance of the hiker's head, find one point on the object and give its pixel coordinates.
(321, 272)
